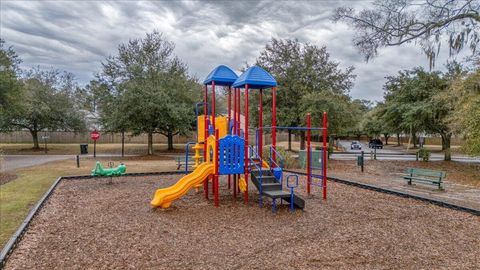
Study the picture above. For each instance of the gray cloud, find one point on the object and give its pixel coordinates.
(77, 36)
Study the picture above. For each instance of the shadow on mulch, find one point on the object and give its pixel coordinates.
(6, 177)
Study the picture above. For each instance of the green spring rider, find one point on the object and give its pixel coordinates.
(100, 171)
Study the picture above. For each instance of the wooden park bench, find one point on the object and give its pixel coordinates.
(425, 176)
(181, 161)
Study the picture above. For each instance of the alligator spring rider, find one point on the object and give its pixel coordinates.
(222, 146)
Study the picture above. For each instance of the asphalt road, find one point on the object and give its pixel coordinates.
(13, 162)
(392, 154)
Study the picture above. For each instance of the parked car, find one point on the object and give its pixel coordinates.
(375, 143)
(355, 146)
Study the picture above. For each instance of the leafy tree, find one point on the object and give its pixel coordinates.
(391, 119)
(48, 104)
(308, 81)
(418, 97)
(149, 90)
(360, 108)
(396, 22)
(465, 93)
(106, 105)
(372, 124)
(10, 86)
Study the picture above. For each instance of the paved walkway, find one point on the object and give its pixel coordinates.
(13, 162)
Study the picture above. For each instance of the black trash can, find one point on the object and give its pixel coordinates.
(83, 148)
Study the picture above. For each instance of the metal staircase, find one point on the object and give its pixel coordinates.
(268, 185)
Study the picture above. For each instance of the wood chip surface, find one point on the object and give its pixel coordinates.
(89, 224)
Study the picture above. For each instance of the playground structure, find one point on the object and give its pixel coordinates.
(226, 149)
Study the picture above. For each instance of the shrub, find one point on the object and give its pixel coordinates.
(289, 160)
(424, 154)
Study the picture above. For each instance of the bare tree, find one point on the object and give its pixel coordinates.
(425, 22)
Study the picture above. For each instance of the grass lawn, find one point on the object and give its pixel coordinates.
(18, 196)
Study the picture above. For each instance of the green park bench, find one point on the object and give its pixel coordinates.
(181, 161)
(425, 176)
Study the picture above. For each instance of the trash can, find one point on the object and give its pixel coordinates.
(84, 149)
(359, 160)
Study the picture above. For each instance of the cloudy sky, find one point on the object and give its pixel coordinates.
(78, 35)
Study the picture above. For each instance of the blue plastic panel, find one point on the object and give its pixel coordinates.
(231, 152)
(256, 78)
(222, 75)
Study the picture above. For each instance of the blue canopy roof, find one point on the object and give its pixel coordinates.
(222, 75)
(255, 77)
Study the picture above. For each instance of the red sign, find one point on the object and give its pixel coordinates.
(95, 135)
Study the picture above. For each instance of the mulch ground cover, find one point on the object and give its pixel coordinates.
(89, 224)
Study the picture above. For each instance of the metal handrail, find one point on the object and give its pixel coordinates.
(186, 155)
(292, 187)
(276, 154)
(251, 152)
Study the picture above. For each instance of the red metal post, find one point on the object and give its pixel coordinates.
(205, 132)
(324, 165)
(205, 135)
(246, 142)
(229, 121)
(238, 111)
(229, 106)
(274, 121)
(213, 105)
(235, 186)
(309, 156)
(234, 107)
(215, 180)
(260, 116)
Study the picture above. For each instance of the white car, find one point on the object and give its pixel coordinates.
(355, 146)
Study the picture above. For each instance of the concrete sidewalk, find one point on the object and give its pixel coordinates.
(13, 162)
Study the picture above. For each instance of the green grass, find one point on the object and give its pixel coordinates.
(20, 195)
(17, 198)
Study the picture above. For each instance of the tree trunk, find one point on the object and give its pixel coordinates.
(386, 138)
(170, 140)
(35, 139)
(446, 140)
(150, 143)
(123, 143)
(414, 139)
(398, 139)
(302, 140)
(289, 140)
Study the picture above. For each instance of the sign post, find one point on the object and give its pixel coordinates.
(45, 138)
(95, 135)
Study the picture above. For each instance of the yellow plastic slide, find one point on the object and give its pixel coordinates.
(165, 196)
